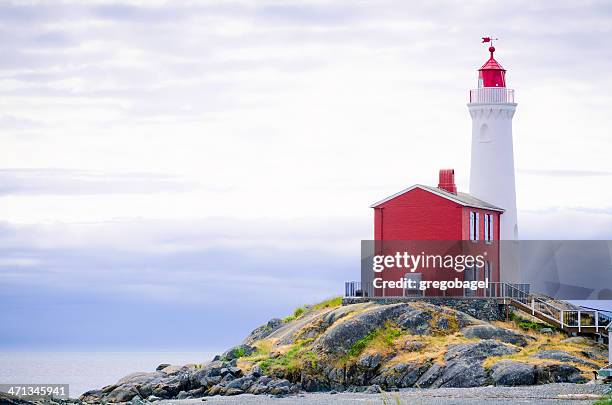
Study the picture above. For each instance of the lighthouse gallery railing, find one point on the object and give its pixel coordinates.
(492, 95)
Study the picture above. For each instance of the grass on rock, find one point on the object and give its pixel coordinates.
(300, 311)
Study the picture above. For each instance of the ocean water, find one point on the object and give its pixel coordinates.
(84, 371)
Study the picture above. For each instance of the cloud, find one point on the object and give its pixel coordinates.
(565, 173)
(81, 182)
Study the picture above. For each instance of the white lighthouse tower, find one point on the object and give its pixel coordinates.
(492, 107)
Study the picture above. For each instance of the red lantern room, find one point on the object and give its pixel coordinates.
(491, 74)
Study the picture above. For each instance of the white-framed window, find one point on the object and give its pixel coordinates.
(488, 227)
(474, 225)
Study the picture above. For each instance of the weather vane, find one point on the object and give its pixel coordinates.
(488, 39)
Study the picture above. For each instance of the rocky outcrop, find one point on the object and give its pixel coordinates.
(501, 334)
(368, 347)
(215, 378)
(558, 373)
(421, 319)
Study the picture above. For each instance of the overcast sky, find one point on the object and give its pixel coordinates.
(185, 171)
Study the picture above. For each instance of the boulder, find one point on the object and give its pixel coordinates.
(171, 370)
(462, 374)
(89, 396)
(323, 321)
(416, 321)
(256, 371)
(369, 361)
(338, 313)
(339, 339)
(359, 373)
(313, 383)
(463, 366)
(430, 376)
(564, 357)
(263, 331)
(238, 351)
(493, 332)
(243, 383)
(279, 387)
(162, 366)
(122, 393)
(513, 373)
(402, 375)
(558, 373)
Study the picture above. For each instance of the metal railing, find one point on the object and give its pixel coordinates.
(586, 319)
(491, 95)
(518, 292)
(352, 289)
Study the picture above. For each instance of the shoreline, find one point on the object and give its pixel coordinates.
(557, 393)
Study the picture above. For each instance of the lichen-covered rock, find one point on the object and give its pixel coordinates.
(513, 373)
(369, 361)
(493, 332)
(416, 321)
(339, 339)
(430, 376)
(311, 383)
(263, 331)
(558, 373)
(478, 351)
(463, 366)
(564, 357)
(401, 375)
(238, 351)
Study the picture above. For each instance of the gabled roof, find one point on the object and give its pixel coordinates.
(460, 198)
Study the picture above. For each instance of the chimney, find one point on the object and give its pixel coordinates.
(447, 180)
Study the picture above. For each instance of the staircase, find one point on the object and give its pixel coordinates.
(579, 321)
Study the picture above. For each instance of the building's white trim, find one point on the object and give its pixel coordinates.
(440, 194)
